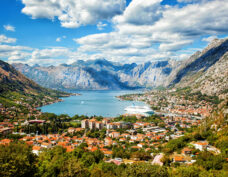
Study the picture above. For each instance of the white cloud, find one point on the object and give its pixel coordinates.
(74, 13)
(14, 53)
(58, 39)
(174, 46)
(148, 29)
(9, 48)
(101, 26)
(209, 39)
(145, 31)
(192, 1)
(9, 28)
(54, 52)
(4, 39)
(140, 12)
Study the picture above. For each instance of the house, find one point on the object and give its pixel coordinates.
(186, 151)
(107, 153)
(46, 145)
(114, 134)
(108, 141)
(5, 141)
(179, 159)
(105, 121)
(36, 150)
(140, 145)
(71, 130)
(201, 145)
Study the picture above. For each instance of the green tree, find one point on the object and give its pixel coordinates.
(145, 170)
(51, 161)
(17, 160)
(73, 168)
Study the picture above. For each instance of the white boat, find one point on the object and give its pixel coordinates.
(144, 110)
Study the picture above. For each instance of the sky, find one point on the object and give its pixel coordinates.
(52, 32)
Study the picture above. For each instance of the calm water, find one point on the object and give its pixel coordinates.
(100, 103)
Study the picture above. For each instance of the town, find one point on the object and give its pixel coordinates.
(149, 135)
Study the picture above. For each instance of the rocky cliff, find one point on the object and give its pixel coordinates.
(205, 71)
(99, 74)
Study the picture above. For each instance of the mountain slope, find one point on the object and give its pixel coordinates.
(99, 74)
(15, 87)
(12, 80)
(205, 71)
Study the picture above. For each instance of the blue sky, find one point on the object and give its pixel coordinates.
(63, 31)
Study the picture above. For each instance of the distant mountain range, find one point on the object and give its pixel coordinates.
(206, 70)
(99, 74)
(12, 81)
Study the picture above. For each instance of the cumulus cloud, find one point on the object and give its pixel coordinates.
(147, 28)
(9, 28)
(140, 12)
(14, 53)
(54, 52)
(174, 46)
(4, 39)
(101, 26)
(74, 13)
(58, 39)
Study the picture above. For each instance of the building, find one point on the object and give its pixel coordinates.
(85, 123)
(201, 145)
(186, 151)
(36, 149)
(179, 159)
(114, 134)
(99, 125)
(92, 124)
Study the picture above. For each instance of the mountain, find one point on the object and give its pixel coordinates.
(12, 80)
(99, 74)
(14, 86)
(205, 71)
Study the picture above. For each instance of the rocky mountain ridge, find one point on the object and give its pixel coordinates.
(204, 71)
(99, 74)
(12, 80)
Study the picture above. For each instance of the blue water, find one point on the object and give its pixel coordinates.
(90, 103)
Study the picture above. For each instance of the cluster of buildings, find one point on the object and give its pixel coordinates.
(105, 123)
(171, 103)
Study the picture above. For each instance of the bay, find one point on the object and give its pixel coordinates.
(100, 103)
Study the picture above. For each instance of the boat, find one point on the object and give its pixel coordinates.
(144, 110)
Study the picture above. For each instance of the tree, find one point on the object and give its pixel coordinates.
(73, 168)
(191, 171)
(145, 170)
(51, 161)
(88, 159)
(17, 160)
